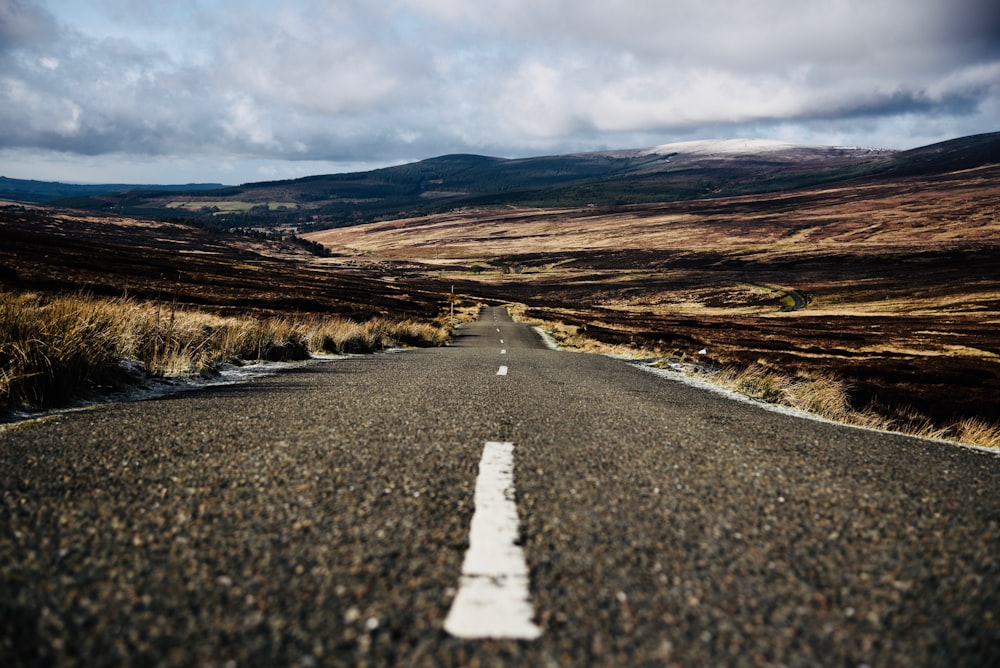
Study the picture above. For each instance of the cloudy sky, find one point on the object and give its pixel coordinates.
(178, 91)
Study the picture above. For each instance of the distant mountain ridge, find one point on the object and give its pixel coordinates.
(40, 192)
(670, 172)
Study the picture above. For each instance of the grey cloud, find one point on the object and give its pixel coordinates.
(95, 97)
(23, 24)
(725, 61)
(361, 81)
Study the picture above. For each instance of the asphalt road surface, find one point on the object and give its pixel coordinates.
(322, 517)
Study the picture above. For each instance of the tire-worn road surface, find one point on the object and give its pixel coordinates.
(321, 516)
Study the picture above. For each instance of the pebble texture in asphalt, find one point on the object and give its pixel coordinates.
(320, 517)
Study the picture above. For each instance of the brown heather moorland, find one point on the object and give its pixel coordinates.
(886, 286)
(51, 250)
(890, 285)
(87, 300)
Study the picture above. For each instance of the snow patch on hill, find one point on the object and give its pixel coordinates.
(722, 147)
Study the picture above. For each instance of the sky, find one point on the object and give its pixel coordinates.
(235, 91)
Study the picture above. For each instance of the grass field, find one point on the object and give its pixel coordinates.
(229, 206)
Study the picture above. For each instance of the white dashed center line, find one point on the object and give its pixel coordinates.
(493, 600)
(502, 371)
(503, 351)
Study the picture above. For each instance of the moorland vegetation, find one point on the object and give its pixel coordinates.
(823, 393)
(882, 291)
(860, 285)
(58, 349)
(91, 304)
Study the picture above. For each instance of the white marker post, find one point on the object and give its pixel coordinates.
(452, 298)
(493, 600)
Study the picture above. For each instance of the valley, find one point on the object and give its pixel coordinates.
(890, 284)
(879, 270)
(64, 251)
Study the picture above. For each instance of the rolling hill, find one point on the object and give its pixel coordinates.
(889, 283)
(877, 268)
(671, 172)
(41, 192)
(446, 182)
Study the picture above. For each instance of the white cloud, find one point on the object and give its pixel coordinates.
(362, 82)
(330, 59)
(243, 123)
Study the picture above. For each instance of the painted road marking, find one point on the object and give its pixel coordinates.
(502, 371)
(503, 351)
(501, 340)
(493, 600)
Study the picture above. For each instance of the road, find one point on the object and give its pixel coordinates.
(322, 517)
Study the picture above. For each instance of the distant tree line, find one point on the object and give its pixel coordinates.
(216, 226)
(314, 247)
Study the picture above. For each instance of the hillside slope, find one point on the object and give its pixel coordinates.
(890, 283)
(40, 192)
(451, 181)
(671, 172)
(54, 251)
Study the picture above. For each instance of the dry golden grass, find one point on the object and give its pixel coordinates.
(346, 336)
(463, 313)
(829, 397)
(978, 432)
(55, 349)
(821, 394)
(572, 337)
